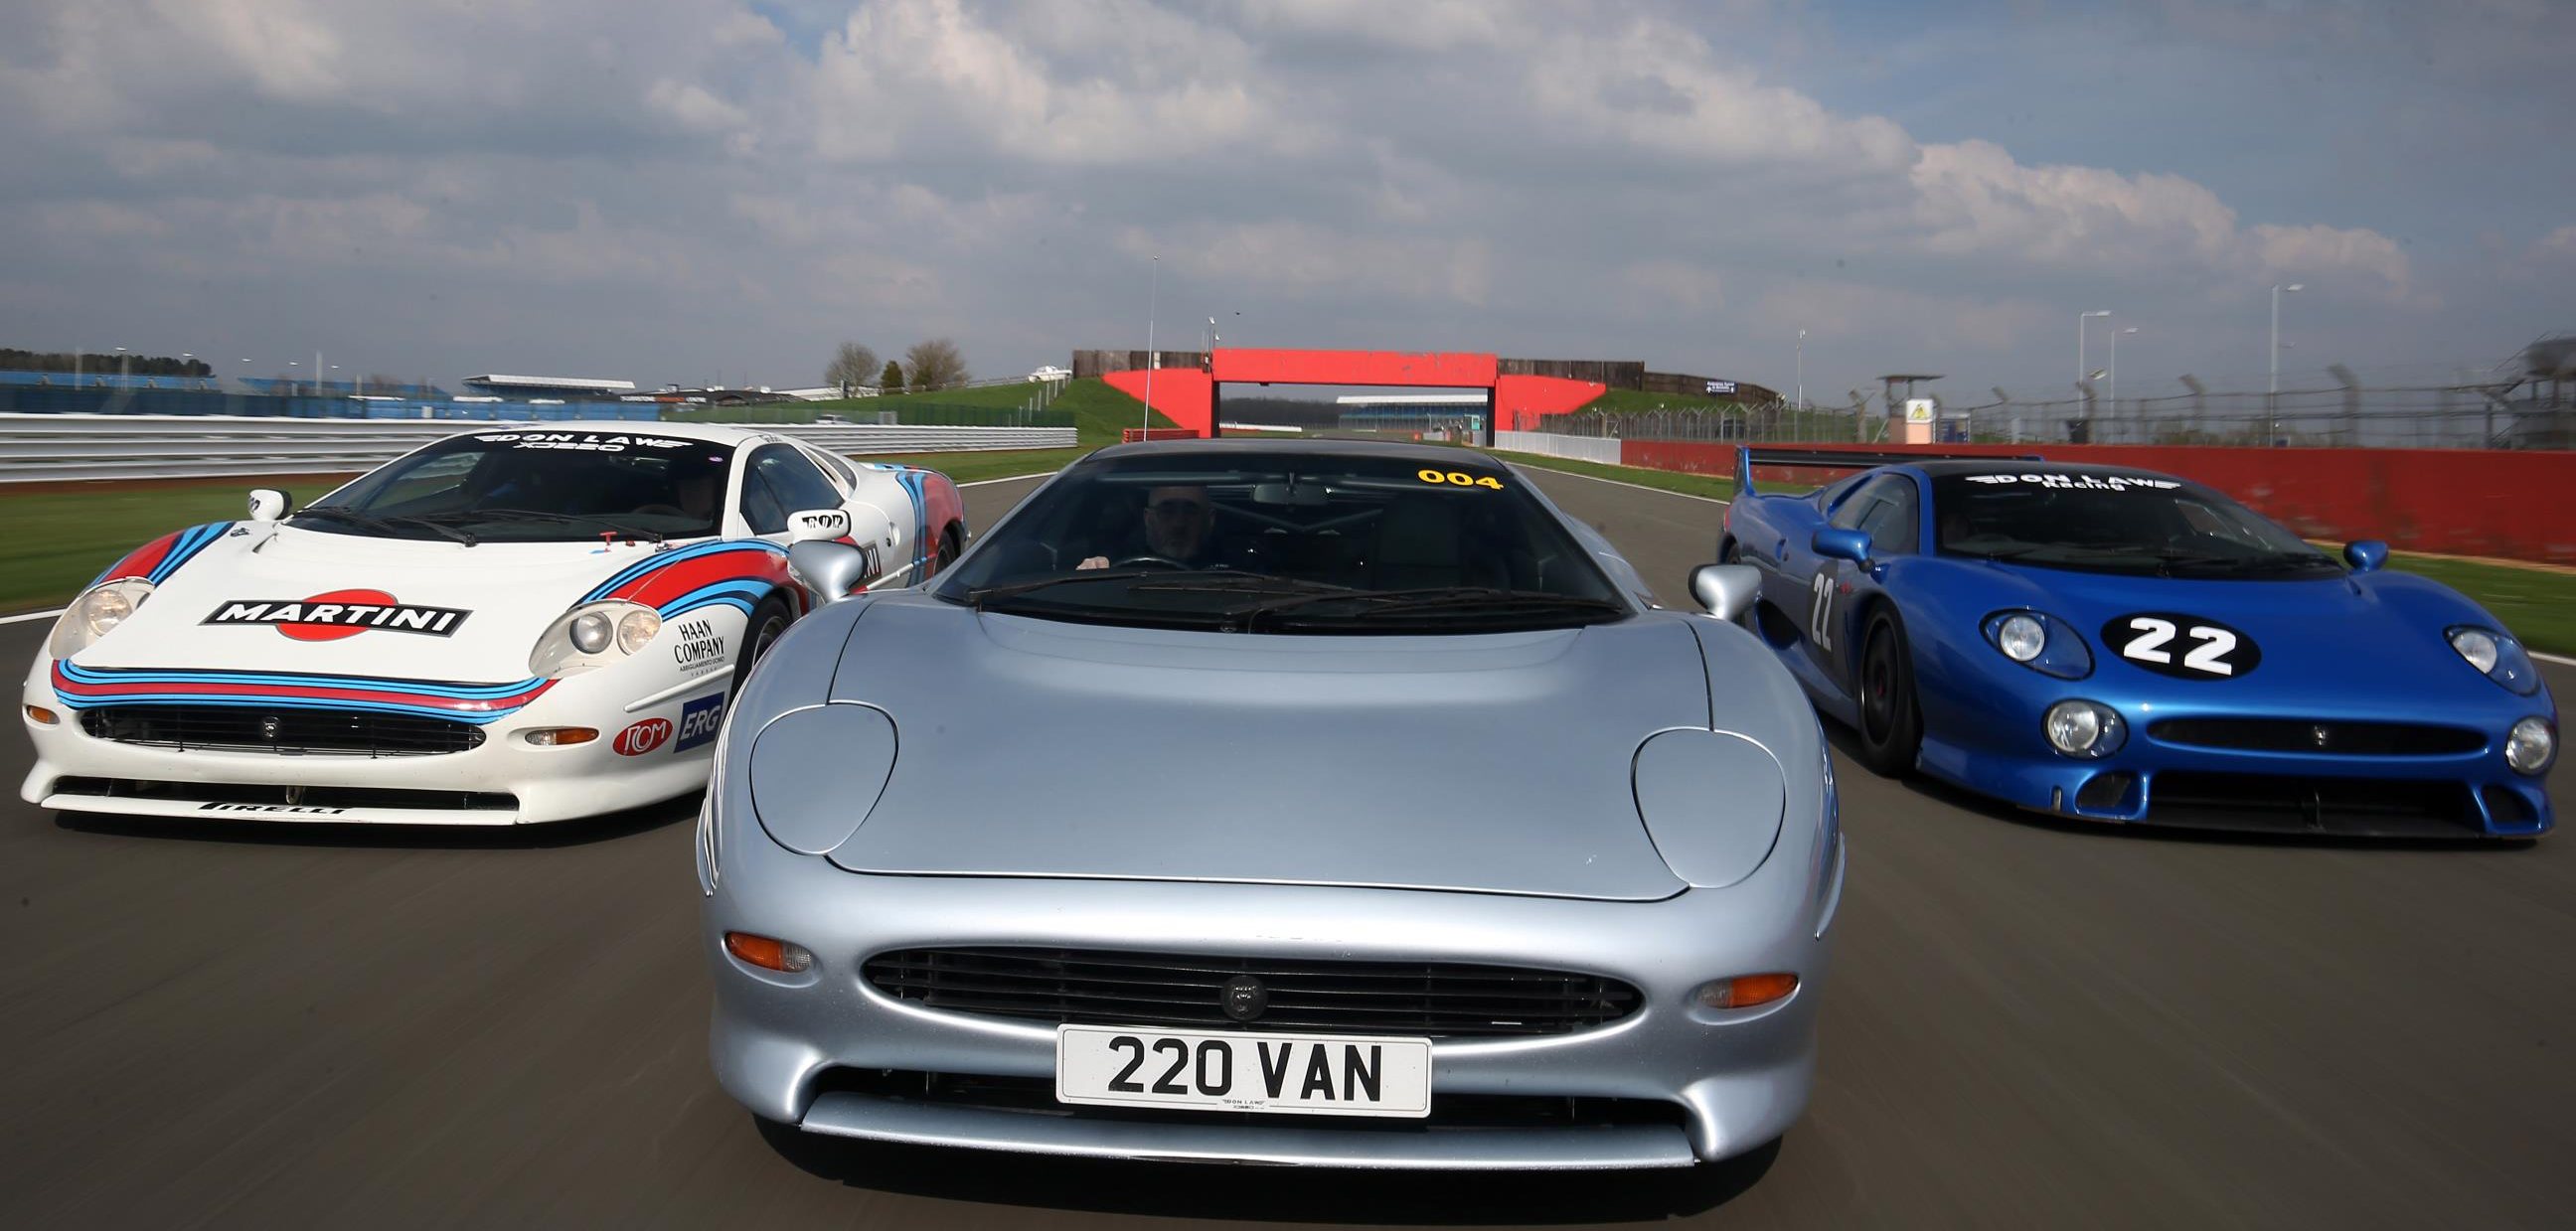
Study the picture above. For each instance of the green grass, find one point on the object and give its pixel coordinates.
(1098, 410)
(2536, 605)
(59, 540)
(971, 467)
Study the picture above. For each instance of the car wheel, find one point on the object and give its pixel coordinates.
(952, 544)
(1891, 725)
(768, 621)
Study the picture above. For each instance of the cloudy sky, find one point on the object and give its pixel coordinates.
(686, 190)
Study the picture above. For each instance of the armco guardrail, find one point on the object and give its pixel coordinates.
(39, 448)
(1550, 444)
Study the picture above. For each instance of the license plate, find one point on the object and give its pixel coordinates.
(1294, 1074)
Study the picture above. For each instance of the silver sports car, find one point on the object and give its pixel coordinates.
(1286, 802)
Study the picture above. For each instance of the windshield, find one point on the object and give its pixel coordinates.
(1289, 543)
(2114, 522)
(537, 487)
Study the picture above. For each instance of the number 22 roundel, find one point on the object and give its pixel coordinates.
(2187, 647)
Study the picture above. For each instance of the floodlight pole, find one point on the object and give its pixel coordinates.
(1802, 369)
(1153, 285)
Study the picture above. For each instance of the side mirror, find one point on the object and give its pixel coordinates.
(2365, 555)
(270, 504)
(832, 571)
(1834, 544)
(1726, 590)
(817, 525)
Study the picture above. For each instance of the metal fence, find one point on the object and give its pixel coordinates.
(2466, 416)
(1547, 444)
(39, 448)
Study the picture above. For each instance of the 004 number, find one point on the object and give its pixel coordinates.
(1459, 478)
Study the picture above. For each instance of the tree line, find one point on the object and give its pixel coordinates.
(934, 364)
(15, 360)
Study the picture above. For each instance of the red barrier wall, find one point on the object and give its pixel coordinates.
(2512, 504)
(1182, 394)
(1520, 400)
(1355, 367)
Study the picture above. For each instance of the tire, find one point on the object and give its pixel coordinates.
(952, 544)
(768, 620)
(1891, 723)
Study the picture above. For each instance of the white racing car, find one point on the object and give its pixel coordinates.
(508, 626)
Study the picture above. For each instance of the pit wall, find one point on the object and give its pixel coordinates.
(2510, 504)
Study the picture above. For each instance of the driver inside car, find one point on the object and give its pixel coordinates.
(1180, 526)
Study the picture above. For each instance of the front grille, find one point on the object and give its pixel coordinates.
(2356, 807)
(233, 728)
(1106, 987)
(1036, 1096)
(304, 796)
(2371, 739)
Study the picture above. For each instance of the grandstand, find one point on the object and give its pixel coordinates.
(288, 386)
(565, 387)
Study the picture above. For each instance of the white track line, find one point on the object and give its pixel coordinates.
(1017, 478)
(1660, 491)
(2560, 659)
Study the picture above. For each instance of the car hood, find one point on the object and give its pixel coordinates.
(491, 603)
(1494, 763)
(2320, 632)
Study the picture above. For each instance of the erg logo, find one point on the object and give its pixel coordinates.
(699, 721)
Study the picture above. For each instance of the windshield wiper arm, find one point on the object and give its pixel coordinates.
(632, 532)
(979, 596)
(386, 525)
(1444, 598)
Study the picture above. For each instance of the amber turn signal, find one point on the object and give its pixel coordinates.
(41, 716)
(1746, 991)
(557, 737)
(784, 956)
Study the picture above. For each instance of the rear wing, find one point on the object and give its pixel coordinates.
(1747, 457)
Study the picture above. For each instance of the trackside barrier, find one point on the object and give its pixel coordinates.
(1549, 444)
(40, 448)
(2513, 504)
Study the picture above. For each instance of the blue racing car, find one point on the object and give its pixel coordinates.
(2121, 645)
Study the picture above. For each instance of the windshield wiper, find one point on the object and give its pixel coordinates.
(390, 526)
(2242, 564)
(509, 515)
(1442, 600)
(977, 597)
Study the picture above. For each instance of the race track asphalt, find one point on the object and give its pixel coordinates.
(2030, 1024)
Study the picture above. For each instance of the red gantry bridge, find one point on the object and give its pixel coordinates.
(1188, 386)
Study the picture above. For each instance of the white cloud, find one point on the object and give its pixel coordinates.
(1628, 179)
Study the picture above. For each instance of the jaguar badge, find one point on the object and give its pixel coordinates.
(1244, 998)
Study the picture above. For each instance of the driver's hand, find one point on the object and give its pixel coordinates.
(1093, 562)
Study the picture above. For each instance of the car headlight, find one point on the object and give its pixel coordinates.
(2040, 642)
(96, 614)
(2085, 729)
(2497, 657)
(2531, 746)
(593, 635)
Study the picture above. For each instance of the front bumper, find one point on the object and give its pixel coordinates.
(1999, 751)
(509, 781)
(1729, 1080)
